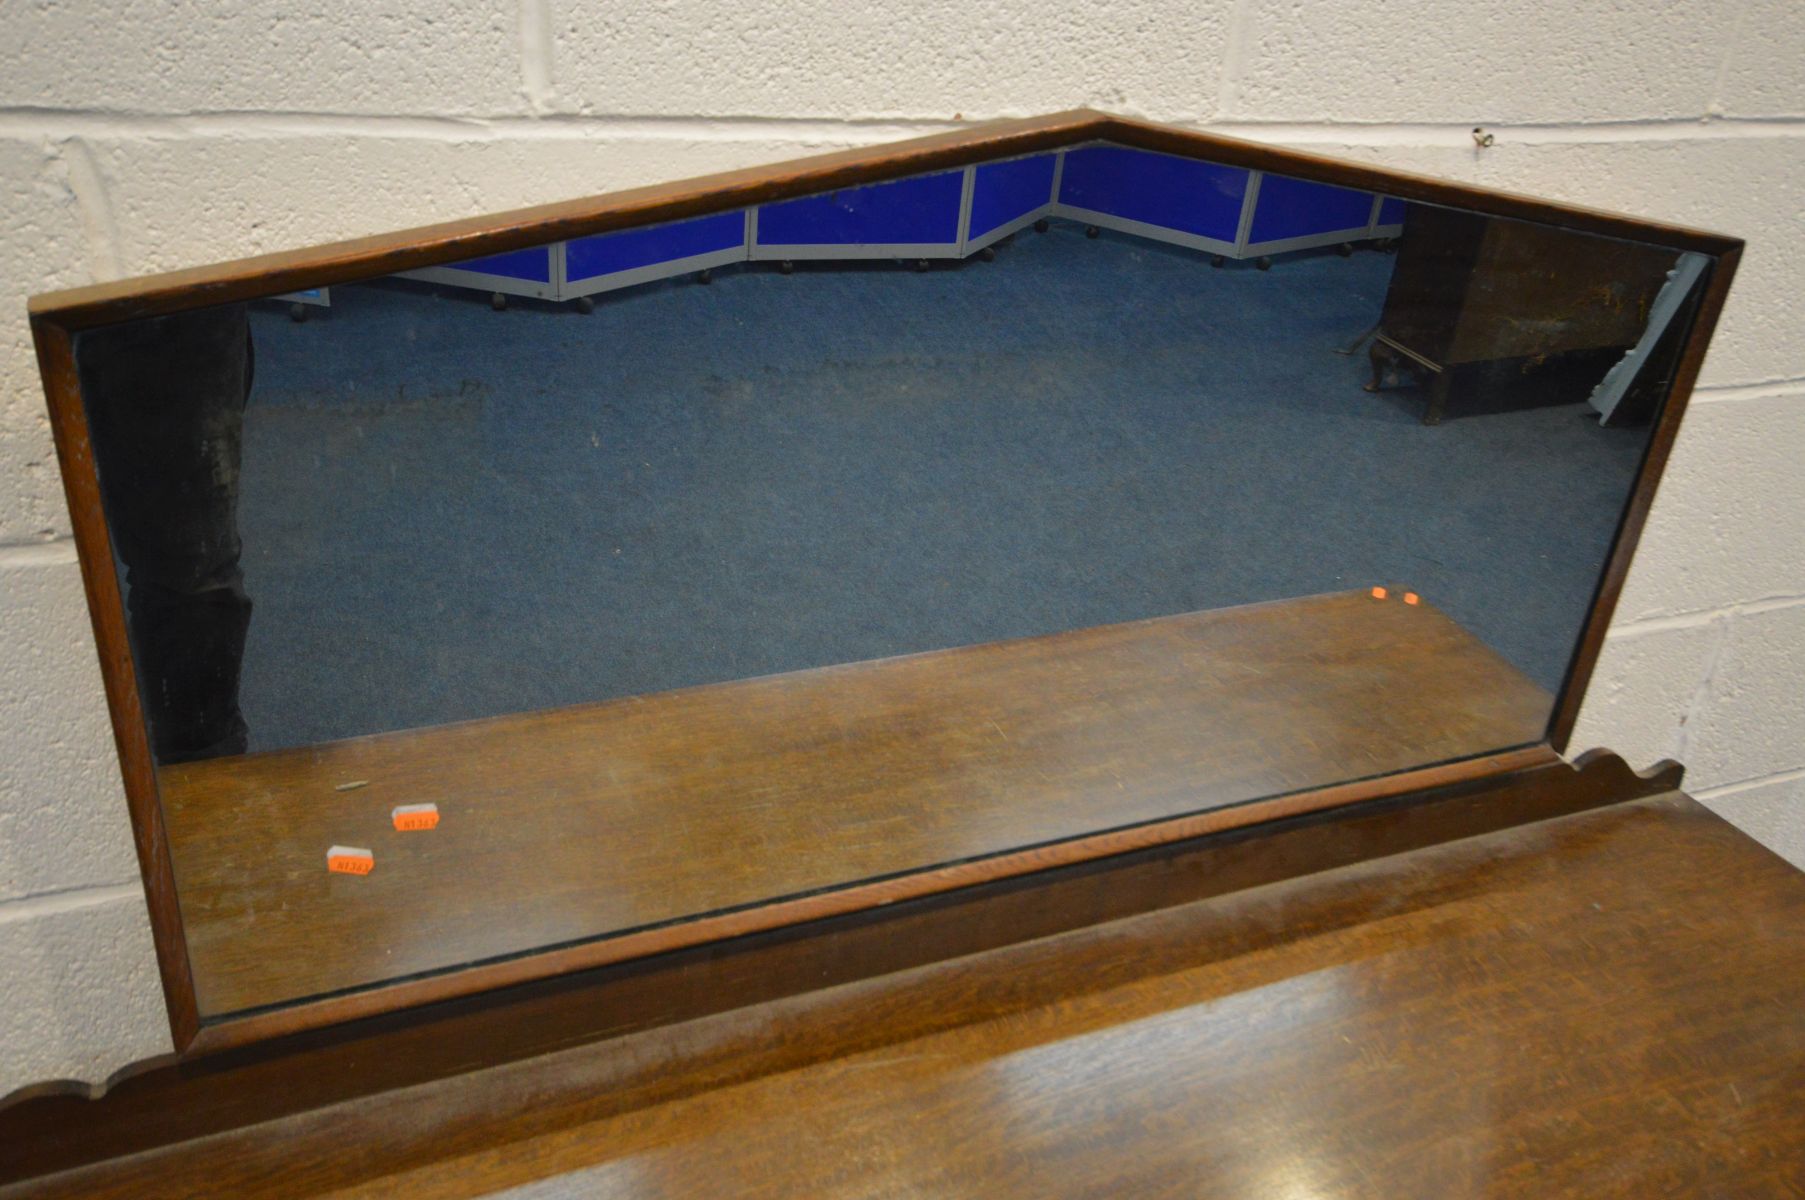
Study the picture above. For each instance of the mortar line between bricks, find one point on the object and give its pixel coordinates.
(1234, 58)
(1704, 616)
(1725, 56)
(40, 122)
(60, 552)
(1699, 698)
(1766, 389)
(537, 55)
(49, 904)
(1417, 133)
(36, 121)
(1746, 785)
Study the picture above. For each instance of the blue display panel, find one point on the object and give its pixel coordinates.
(1290, 208)
(1174, 193)
(608, 253)
(919, 211)
(1391, 211)
(1003, 191)
(534, 264)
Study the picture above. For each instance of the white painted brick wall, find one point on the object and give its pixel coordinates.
(1768, 810)
(186, 56)
(1428, 60)
(82, 997)
(58, 755)
(887, 58)
(150, 134)
(1761, 76)
(44, 236)
(281, 189)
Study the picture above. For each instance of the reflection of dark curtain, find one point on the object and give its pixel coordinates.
(165, 402)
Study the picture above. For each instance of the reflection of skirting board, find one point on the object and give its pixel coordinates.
(923, 216)
(536, 272)
(568, 270)
(1230, 211)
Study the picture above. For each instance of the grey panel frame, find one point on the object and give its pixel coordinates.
(854, 250)
(1002, 231)
(1158, 233)
(507, 285)
(1309, 241)
(1246, 247)
(652, 272)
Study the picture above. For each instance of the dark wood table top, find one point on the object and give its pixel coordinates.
(1610, 1003)
(569, 824)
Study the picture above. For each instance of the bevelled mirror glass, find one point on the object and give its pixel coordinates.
(631, 580)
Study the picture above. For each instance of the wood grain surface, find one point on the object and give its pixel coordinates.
(106, 613)
(1470, 289)
(156, 1102)
(1606, 1004)
(580, 822)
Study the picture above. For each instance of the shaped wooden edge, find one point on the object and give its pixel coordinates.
(57, 1125)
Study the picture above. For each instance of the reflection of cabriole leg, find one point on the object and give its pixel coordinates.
(1379, 357)
(1438, 396)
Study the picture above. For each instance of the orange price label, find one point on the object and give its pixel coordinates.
(416, 816)
(349, 860)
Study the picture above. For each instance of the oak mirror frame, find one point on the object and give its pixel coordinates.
(702, 724)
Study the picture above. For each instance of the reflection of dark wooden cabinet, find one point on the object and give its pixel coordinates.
(1473, 289)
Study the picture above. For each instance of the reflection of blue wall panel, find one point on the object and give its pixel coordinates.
(534, 264)
(1289, 208)
(1391, 211)
(1003, 191)
(1175, 193)
(919, 211)
(608, 253)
